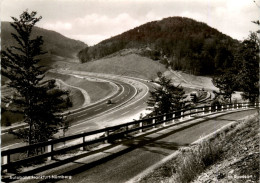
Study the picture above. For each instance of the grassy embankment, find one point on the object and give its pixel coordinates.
(126, 65)
(231, 155)
(95, 90)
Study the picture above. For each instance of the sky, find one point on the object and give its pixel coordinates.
(92, 21)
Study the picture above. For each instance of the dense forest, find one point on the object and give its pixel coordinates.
(182, 43)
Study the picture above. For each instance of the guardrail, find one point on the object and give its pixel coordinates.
(107, 134)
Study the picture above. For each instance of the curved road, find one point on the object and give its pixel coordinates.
(125, 160)
(85, 119)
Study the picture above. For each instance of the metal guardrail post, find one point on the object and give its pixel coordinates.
(255, 104)
(222, 108)
(233, 106)
(50, 149)
(210, 110)
(83, 142)
(173, 116)
(181, 116)
(203, 109)
(237, 106)
(216, 108)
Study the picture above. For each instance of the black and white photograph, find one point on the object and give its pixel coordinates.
(130, 91)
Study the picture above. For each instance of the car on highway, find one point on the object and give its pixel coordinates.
(109, 101)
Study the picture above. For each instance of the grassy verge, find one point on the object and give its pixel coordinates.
(232, 155)
(95, 90)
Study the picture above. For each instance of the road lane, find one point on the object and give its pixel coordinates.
(135, 155)
(81, 120)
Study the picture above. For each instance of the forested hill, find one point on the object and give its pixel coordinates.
(182, 43)
(54, 43)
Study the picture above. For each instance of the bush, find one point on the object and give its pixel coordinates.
(195, 160)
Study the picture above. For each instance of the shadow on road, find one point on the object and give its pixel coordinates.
(130, 143)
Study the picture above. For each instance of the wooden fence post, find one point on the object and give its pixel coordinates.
(173, 116)
(140, 125)
(50, 149)
(164, 119)
(6, 159)
(126, 131)
(106, 135)
(83, 142)
(153, 123)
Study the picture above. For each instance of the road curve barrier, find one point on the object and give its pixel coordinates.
(47, 150)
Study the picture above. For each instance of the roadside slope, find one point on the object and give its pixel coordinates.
(127, 65)
(229, 155)
(189, 80)
(96, 90)
(240, 159)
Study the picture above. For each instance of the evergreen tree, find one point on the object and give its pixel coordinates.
(166, 98)
(39, 100)
(249, 72)
(226, 83)
(243, 75)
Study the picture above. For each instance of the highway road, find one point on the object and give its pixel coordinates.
(128, 102)
(99, 114)
(123, 161)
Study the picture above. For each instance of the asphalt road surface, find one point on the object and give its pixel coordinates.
(85, 118)
(123, 161)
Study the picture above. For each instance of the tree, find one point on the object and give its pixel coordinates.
(226, 83)
(249, 72)
(243, 73)
(166, 98)
(38, 99)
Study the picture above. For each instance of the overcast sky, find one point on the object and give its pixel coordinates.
(94, 20)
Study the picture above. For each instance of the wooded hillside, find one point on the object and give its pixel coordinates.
(54, 43)
(182, 43)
